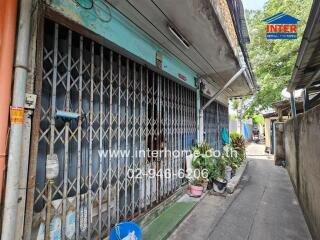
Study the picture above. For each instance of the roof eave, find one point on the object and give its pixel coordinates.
(314, 18)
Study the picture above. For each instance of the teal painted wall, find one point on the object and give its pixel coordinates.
(123, 33)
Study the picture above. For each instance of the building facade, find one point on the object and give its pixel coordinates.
(110, 79)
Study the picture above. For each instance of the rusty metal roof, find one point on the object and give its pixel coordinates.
(307, 68)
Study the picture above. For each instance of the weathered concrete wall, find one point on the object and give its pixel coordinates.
(267, 132)
(302, 138)
(279, 152)
(222, 10)
(233, 125)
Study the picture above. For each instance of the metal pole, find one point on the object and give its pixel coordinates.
(50, 182)
(101, 133)
(66, 140)
(158, 164)
(79, 141)
(175, 121)
(127, 141)
(133, 141)
(15, 145)
(146, 138)
(119, 138)
(165, 138)
(110, 142)
(172, 136)
(91, 119)
(152, 92)
(140, 137)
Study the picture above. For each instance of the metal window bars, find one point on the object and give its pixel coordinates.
(122, 105)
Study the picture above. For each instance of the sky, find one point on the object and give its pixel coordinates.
(253, 4)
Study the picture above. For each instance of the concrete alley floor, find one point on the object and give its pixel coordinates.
(264, 207)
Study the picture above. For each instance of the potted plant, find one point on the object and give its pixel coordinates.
(219, 184)
(196, 187)
(205, 183)
(231, 161)
(202, 160)
(217, 175)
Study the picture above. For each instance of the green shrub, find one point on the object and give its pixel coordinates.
(238, 143)
(217, 169)
(201, 159)
(231, 159)
(216, 166)
(235, 135)
(196, 182)
(202, 148)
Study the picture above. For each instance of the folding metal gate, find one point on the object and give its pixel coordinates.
(215, 118)
(112, 103)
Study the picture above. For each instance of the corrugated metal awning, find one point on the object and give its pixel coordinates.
(307, 67)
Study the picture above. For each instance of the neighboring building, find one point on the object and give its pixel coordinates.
(269, 119)
(246, 127)
(302, 131)
(120, 75)
(281, 113)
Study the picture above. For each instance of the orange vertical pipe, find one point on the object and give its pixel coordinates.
(8, 17)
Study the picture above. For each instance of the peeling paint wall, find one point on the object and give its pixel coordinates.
(222, 11)
(120, 31)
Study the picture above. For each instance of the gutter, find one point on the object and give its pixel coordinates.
(311, 24)
(247, 72)
(237, 13)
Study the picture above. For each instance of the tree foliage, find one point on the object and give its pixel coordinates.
(273, 60)
(258, 119)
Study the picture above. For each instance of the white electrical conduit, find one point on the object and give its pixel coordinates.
(217, 94)
(16, 133)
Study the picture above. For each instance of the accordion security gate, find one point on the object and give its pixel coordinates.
(122, 107)
(215, 118)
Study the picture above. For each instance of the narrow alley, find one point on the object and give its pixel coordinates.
(263, 207)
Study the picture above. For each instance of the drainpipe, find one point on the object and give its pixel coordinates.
(214, 97)
(8, 15)
(16, 134)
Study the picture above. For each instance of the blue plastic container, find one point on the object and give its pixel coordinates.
(125, 230)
